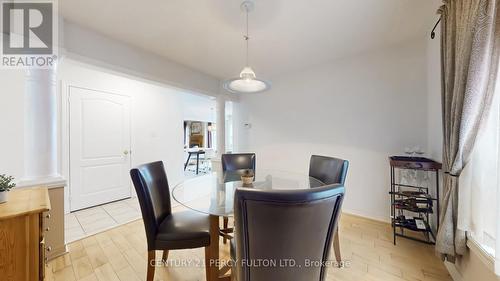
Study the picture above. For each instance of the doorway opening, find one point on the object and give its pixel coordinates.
(200, 134)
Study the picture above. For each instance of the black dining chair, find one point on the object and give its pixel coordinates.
(166, 230)
(284, 225)
(238, 162)
(330, 170)
(233, 166)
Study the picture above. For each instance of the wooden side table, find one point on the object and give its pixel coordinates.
(22, 242)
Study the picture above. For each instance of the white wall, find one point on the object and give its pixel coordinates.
(362, 109)
(157, 120)
(198, 108)
(157, 116)
(434, 123)
(93, 48)
(12, 123)
(87, 45)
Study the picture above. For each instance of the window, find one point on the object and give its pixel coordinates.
(479, 185)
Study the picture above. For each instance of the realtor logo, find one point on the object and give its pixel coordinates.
(28, 34)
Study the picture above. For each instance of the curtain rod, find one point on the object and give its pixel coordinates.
(433, 33)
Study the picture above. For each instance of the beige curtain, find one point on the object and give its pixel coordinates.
(470, 57)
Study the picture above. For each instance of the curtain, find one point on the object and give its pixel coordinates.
(469, 60)
(479, 185)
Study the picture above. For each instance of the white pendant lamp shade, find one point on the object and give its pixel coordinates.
(247, 82)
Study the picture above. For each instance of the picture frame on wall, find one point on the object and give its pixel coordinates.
(196, 128)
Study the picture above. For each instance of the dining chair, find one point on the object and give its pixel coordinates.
(284, 225)
(166, 230)
(237, 164)
(330, 170)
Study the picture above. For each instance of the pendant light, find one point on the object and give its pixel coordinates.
(247, 82)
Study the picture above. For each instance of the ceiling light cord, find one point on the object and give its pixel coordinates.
(247, 82)
(247, 38)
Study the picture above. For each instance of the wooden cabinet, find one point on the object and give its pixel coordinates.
(22, 243)
(53, 224)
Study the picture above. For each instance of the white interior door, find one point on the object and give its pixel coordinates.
(99, 147)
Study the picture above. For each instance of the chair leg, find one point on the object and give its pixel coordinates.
(151, 265)
(226, 222)
(165, 256)
(336, 247)
(207, 262)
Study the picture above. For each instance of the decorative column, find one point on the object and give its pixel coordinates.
(221, 125)
(40, 126)
(41, 153)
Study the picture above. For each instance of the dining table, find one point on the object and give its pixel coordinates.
(213, 194)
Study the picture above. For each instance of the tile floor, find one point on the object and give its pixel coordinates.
(190, 171)
(93, 220)
(87, 222)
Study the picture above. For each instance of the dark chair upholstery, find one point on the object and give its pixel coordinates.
(233, 166)
(282, 225)
(330, 170)
(165, 230)
(238, 162)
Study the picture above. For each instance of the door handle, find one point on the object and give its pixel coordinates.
(125, 152)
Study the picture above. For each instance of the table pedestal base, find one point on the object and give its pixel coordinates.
(212, 253)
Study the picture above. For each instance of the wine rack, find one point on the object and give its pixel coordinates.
(413, 206)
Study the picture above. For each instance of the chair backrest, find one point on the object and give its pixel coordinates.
(238, 161)
(329, 170)
(151, 184)
(276, 226)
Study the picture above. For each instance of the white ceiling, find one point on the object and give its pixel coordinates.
(286, 35)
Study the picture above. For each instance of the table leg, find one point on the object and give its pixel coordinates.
(336, 248)
(187, 161)
(197, 162)
(213, 274)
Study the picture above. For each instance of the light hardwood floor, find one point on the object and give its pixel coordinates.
(120, 254)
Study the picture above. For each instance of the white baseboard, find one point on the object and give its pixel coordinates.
(368, 216)
(455, 275)
(487, 259)
(57, 252)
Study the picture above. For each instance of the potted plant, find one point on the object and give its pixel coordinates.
(6, 184)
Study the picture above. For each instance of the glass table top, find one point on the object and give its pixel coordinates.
(214, 193)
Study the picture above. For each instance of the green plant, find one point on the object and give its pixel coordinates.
(6, 183)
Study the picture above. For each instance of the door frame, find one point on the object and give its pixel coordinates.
(65, 139)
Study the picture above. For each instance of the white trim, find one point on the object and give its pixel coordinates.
(487, 259)
(476, 249)
(57, 252)
(452, 269)
(364, 215)
(64, 156)
(52, 182)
